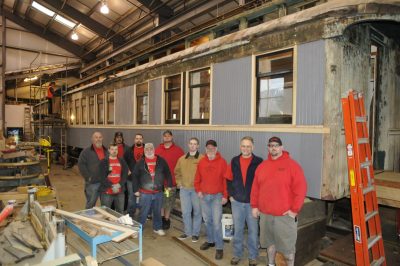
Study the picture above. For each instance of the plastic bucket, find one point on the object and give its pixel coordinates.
(227, 226)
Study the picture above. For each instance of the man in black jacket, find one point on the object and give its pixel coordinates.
(88, 164)
(131, 156)
(113, 173)
(149, 176)
(240, 178)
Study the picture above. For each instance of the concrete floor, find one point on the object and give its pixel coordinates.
(69, 186)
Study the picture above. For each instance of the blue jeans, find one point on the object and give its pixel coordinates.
(91, 193)
(118, 199)
(153, 201)
(190, 201)
(241, 215)
(211, 208)
(131, 207)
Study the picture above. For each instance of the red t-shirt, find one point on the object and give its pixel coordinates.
(99, 152)
(115, 174)
(244, 165)
(151, 164)
(120, 150)
(138, 152)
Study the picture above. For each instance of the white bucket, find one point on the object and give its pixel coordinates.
(227, 226)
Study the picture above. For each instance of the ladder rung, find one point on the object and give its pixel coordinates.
(378, 262)
(368, 189)
(362, 140)
(365, 164)
(361, 119)
(370, 215)
(373, 240)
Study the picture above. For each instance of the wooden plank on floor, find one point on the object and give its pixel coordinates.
(342, 250)
(194, 252)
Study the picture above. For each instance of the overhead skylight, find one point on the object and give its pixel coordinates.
(42, 9)
(65, 21)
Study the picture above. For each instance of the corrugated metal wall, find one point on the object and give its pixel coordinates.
(231, 95)
(305, 148)
(155, 93)
(124, 106)
(310, 83)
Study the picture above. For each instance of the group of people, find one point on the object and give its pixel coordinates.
(264, 194)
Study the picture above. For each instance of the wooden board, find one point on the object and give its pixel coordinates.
(388, 188)
(342, 250)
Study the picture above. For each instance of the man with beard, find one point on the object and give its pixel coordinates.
(277, 195)
(170, 152)
(119, 140)
(131, 156)
(149, 176)
(113, 173)
(88, 164)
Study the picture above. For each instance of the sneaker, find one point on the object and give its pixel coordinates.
(219, 254)
(183, 237)
(206, 246)
(235, 261)
(166, 224)
(149, 217)
(159, 232)
(252, 262)
(195, 239)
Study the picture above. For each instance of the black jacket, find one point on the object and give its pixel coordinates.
(88, 164)
(236, 189)
(104, 171)
(129, 157)
(142, 178)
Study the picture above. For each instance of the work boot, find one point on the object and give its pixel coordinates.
(235, 261)
(206, 246)
(219, 254)
(252, 262)
(166, 224)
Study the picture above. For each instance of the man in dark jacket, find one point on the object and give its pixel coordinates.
(88, 164)
(113, 173)
(149, 176)
(240, 176)
(131, 156)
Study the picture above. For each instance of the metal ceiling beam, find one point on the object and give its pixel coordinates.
(147, 35)
(49, 36)
(85, 20)
(165, 12)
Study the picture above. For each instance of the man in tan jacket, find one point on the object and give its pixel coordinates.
(185, 172)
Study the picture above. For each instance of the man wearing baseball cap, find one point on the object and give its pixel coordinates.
(277, 195)
(210, 185)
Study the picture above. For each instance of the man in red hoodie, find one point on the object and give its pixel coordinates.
(170, 152)
(277, 195)
(210, 185)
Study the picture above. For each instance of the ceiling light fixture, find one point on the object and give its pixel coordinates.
(74, 36)
(30, 79)
(104, 7)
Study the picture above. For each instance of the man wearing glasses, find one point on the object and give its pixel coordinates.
(277, 195)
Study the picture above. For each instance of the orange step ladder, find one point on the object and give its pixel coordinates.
(368, 242)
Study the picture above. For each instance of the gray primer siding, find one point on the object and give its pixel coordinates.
(124, 106)
(231, 92)
(310, 83)
(155, 91)
(306, 149)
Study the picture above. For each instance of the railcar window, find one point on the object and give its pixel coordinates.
(199, 91)
(77, 111)
(173, 91)
(142, 103)
(275, 88)
(110, 107)
(100, 108)
(91, 110)
(84, 110)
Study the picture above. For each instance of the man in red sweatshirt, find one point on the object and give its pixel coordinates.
(170, 152)
(210, 185)
(277, 195)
